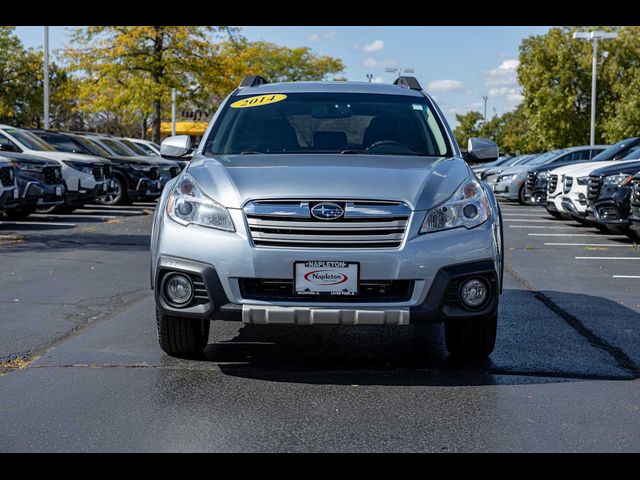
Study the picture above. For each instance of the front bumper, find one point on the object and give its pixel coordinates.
(537, 196)
(9, 198)
(40, 194)
(432, 262)
(84, 194)
(508, 189)
(608, 212)
(146, 189)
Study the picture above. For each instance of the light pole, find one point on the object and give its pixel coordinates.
(594, 37)
(173, 112)
(45, 74)
(484, 99)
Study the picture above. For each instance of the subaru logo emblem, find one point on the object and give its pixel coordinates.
(327, 211)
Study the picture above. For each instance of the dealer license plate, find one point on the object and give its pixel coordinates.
(326, 278)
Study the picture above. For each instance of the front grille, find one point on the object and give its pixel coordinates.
(98, 174)
(593, 190)
(154, 173)
(363, 224)
(635, 193)
(553, 183)
(6, 176)
(52, 175)
(568, 183)
(108, 171)
(379, 291)
(531, 180)
(174, 171)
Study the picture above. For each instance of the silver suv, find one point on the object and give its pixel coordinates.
(327, 203)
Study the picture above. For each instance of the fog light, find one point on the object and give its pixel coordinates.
(178, 289)
(474, 292)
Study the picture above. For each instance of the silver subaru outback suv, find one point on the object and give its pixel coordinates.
(334, 203)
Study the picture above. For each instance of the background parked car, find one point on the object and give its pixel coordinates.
(634, 211)
(602, 195)
(511, 182)
(8, 186)
(567, 187)
(146, 145)
(84, 177)
(39, 183)
(134, 178)
(491, 175)
(535, 187)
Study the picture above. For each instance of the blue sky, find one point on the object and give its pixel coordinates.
(457, 65)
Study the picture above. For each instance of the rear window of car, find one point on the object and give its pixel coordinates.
(330, 123)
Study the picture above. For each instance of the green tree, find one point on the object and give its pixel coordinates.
(468, 126)
(132, 69)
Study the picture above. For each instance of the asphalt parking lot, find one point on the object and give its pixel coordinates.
(82, 371)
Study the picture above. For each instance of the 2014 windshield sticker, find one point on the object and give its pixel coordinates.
(258, 101)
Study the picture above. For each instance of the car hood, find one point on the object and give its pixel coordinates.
(421, 182)
(76, 157)
(577, 168)
(522, 169)
(629, 167)
(28, 158)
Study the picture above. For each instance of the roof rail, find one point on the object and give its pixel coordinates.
(408, 82)
(252, 81)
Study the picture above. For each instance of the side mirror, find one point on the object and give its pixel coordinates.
(481, 150)
(175, 147)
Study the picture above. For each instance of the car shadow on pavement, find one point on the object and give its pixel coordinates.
(84, 240)
(535, 345)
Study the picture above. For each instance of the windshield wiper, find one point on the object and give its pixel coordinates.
(352, 151)
(251, 152)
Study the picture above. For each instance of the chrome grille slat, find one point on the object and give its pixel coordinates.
(553, 183)
(363, 224)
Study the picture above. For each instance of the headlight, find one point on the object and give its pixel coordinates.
(544, 175)
(28, 167)
(467, 207)
(188, 204)
(505, 178)
(615, 179)
(583, 180)
(141, 167)
(81, 167)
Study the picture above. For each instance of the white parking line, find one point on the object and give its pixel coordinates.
(568, 227)
(588, 245)
(527, 220)
(52, 224)
(521, 215)
(607, 258)
(600, 235)
(625, 276)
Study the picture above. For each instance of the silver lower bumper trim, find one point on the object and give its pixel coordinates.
(267, 315)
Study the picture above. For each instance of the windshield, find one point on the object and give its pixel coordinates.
(634, 153)
(329, 123)
(546, 157)
(29, 140)
(617, 150)
(91, 146)
(146, 149)
(116, 148)
(133, 147)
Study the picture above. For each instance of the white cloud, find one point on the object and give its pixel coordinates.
(505, 75)
(377, 80)
(445, 86)
(316, 37)
(373, 63)
(511, 94)
(476, 105)
(375, 46)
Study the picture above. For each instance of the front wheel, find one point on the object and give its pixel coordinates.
(182, 337)
(521, 199)
(118, 196)
(471, 337)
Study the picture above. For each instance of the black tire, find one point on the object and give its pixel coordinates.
(45, 210)
(182, 337)
(119, 197)
(618, 230)
(471, 338)
(521, 196)
(19, 213)
(557, 215)
(64, 209)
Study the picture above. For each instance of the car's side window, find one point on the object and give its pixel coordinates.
(5, 142)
